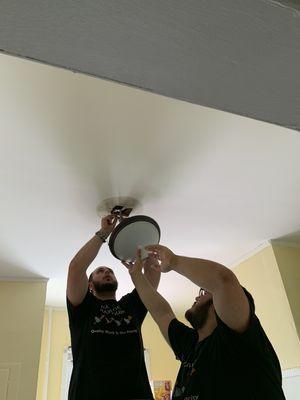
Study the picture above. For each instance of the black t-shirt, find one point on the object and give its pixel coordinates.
(107, 347)
(226, 365)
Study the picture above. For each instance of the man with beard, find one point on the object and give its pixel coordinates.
(227, 354)
(107, 347)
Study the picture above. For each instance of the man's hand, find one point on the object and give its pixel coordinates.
(135, 268)
(148, 264)
(151, 263)
(152, 270)
(153, 301)
(163, 255)
(108, 224)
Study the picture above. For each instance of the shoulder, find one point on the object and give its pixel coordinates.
(177, 327)
(130, 298)
(182, 338)
(253, 335)
(79, 309)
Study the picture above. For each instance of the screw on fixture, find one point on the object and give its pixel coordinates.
(121, 212)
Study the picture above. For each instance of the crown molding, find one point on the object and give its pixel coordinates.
(285, 243)
(289, 373)
(249, 254)
(22, 279)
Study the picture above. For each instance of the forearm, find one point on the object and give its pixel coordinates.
(204, 273)
(87, 254)
(153, 301)
(153, 277)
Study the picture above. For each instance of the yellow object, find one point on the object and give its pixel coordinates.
(162, 390)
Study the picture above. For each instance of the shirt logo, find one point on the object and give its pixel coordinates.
(109, 319)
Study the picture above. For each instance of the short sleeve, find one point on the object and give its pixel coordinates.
(78, 312)
(182, 339)
(133, 303)
(253, 336)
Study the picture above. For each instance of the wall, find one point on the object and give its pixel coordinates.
(163, 364)
(21, 314)
(43, 363)
(288, 260)
(49, 384)
(261, 276)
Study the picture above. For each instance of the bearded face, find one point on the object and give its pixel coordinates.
(103, 280)
(197, 315)
(105, 287)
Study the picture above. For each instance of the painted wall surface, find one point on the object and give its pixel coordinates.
(261, 276)
(288, 260)
(163, 363)
(49, 385)
(43, 370)
(21, 315)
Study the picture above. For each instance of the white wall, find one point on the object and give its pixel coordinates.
(291, 383)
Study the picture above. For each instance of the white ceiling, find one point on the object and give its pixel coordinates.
(218, 184)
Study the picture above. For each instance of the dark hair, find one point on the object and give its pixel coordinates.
(91, 277)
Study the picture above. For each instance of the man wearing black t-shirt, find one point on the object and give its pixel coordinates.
(107, 346)
(227, 355)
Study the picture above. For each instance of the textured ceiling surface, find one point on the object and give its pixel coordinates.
(239, 56)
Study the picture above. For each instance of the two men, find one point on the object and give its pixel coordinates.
(108, 352)
(227, 354)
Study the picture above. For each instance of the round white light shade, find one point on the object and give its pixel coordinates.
(132, 232)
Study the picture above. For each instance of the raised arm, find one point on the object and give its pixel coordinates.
(77, 283)
(158, 307)
(230, 301)
(152, 271)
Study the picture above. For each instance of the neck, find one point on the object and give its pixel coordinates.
(105, 295)
(208, 328)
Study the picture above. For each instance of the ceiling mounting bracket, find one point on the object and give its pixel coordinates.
(121, 212)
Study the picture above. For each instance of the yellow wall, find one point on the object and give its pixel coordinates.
(261, 276)
(58, 341)
(21, 315)
(163, 363)
(288, 260)
(43, 358)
